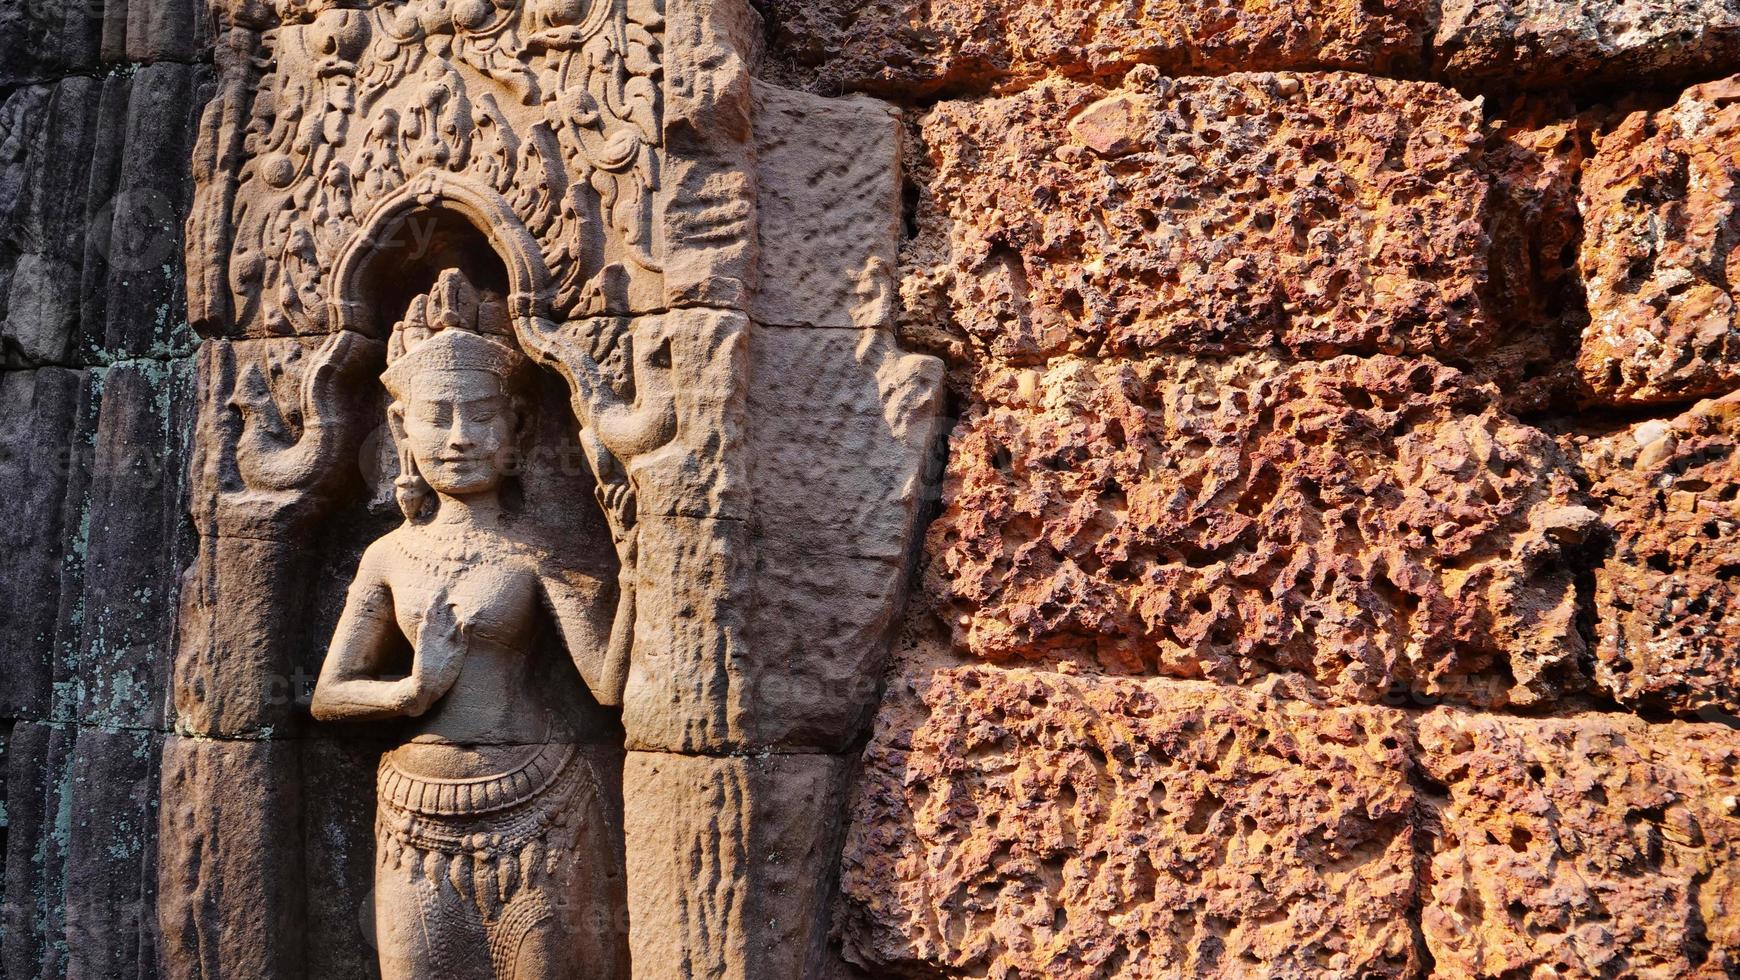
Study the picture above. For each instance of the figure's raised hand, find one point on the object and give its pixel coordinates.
(266, 457)
(441, 646)
(322, 385)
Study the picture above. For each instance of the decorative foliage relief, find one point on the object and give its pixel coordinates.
(552, 103)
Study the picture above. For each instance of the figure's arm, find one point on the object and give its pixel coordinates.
(598, 652)
(351, 687)
(630, 429)
(626, 428)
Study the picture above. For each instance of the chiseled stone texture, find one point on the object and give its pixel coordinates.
(827, 209)
(1327, 212)
(1042, 824)
(1594, 845)
(908, 48)
(1533, 159)
(730, 862)
(92, 202)
(1660, 203)
(1374, 523)
(1666, 598)
(230, 809)
(1545, 43)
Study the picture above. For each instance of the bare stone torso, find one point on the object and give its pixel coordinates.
(494, 710)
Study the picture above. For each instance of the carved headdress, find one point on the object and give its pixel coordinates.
(443, 330)
(455, 349)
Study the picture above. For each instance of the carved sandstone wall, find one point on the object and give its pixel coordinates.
(1332, 531)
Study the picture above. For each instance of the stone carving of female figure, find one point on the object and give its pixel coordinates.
(493, 847)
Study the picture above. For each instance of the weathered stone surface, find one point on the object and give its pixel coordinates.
(731, 863)
(691, 644)
(135, 302)
(164, 30)
(229, 904)
(95, 221)
(1373, 523)
(820, 627)
(842, 432)
(38, 800)
(831, 448)
(42, 40)
(1020, 823)
(106, 164)
(39, 412)
(827, 209)
(708, 218)
(134, 533)
(1595, 845)
(910, 49)
(1533, 159)
(1665, 597)
(81, 818)
(49, 232)
(21, 115)
(1325, 212)
(1659, 202)
(111, 858)
(744, 646)
(1542, 43)
(703, 471)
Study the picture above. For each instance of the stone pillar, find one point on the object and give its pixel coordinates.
(773, 557)
(231, 895)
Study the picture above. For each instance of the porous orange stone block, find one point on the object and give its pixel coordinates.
(1325, 212)
(1660, 202)
(1373, 523)
(1592, 846)
(1586, 44)
(908, 48)
(1666, 596)
(1024, 823)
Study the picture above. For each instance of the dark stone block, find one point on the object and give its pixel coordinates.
(43, 303)
(47, 39)
(111, 856)
(21, 115)
(38, 811)
(38, 424)
(100, 234)
(136, 240)
(136, 548)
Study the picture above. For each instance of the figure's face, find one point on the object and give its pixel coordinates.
(460, 427)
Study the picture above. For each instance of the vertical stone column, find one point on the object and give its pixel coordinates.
(231, 895)
(773, 542)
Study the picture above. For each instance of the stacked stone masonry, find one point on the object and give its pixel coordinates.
(1289, 447)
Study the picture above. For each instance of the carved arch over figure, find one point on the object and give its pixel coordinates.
(529, 301)
(431, 193)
